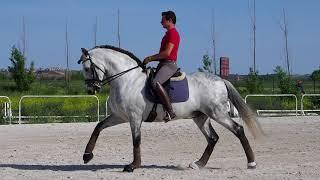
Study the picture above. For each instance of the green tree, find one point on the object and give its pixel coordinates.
(22, 77)
(2, 76)
(286, 85)
(254, 82)
(315, 76)
(207, 64)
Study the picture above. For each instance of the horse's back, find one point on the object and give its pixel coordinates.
(207, 86)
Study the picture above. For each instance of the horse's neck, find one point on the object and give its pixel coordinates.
(116, 62)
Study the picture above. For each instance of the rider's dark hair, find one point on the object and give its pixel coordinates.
(169, 15)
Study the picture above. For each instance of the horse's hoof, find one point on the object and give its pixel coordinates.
(87, 157)
(194, 165)
(128, 168)
(252, 165)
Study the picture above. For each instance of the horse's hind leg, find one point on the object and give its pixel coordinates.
(107, 122)
(203, 122)
(238, 130)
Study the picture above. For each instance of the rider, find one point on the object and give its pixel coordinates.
(167, 58)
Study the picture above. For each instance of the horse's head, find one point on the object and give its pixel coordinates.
(99, 68)
(92, 71)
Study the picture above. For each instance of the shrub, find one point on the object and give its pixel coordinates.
(286, 85)
(254, 83)
(22, 77)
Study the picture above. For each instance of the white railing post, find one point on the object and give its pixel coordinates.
(107, 106)
(10, 107)
(301, 105)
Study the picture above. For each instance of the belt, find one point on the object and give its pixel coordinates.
(168, 62)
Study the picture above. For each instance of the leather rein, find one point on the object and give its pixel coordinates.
(107, 80)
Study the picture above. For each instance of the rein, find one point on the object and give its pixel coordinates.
(113, 77)
(108, 79)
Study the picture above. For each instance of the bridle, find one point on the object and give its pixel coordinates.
(94, 81)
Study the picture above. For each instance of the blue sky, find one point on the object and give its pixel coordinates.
(141, 31)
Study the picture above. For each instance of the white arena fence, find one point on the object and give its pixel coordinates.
(275, 110)
(57, 96)
(7, 109)
(308, 110)
(7, 112)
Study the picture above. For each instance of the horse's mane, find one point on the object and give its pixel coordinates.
(130, 54)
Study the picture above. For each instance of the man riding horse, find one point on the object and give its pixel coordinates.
(208, 96)
(167, 58)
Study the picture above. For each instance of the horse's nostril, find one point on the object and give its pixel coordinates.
(91, 92)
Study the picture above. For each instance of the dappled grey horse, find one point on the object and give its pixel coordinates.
(208, 97)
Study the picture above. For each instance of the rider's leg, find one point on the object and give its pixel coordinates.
(165, 100)
(164, 73)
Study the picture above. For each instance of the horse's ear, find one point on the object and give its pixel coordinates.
(85, 52)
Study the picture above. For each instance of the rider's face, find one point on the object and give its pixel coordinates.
(165, 23)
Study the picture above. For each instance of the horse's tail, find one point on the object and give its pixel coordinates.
(245, 112)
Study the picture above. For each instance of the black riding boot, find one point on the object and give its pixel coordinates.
(163, 95)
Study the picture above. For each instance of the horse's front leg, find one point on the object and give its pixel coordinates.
(136, 138)
(107, 122)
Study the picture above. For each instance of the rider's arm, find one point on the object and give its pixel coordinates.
(162, 55)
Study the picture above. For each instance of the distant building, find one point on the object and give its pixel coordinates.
(50, 73)
(50, 69)
(224, 67)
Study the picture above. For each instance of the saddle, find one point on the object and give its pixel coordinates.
(176, 87)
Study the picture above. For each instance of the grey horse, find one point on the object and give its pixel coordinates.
(208, 97)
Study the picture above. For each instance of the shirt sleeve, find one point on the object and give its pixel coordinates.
(173, 38)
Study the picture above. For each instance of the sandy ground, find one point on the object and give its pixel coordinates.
(291, 150)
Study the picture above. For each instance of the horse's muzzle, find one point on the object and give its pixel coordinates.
(91, 92)
(93, 87)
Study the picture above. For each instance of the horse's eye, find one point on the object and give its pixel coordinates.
(86, 69)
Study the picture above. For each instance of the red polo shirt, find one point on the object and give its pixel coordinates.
(171, 36)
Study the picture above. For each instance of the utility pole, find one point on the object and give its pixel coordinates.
(24, 40)
(119, 28)
(67, 55)
(285, 31)
(254, 36)
(22, 44)
(214, 43)
(253, 21)
(95, 29)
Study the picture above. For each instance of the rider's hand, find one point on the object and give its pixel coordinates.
(147, 60)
